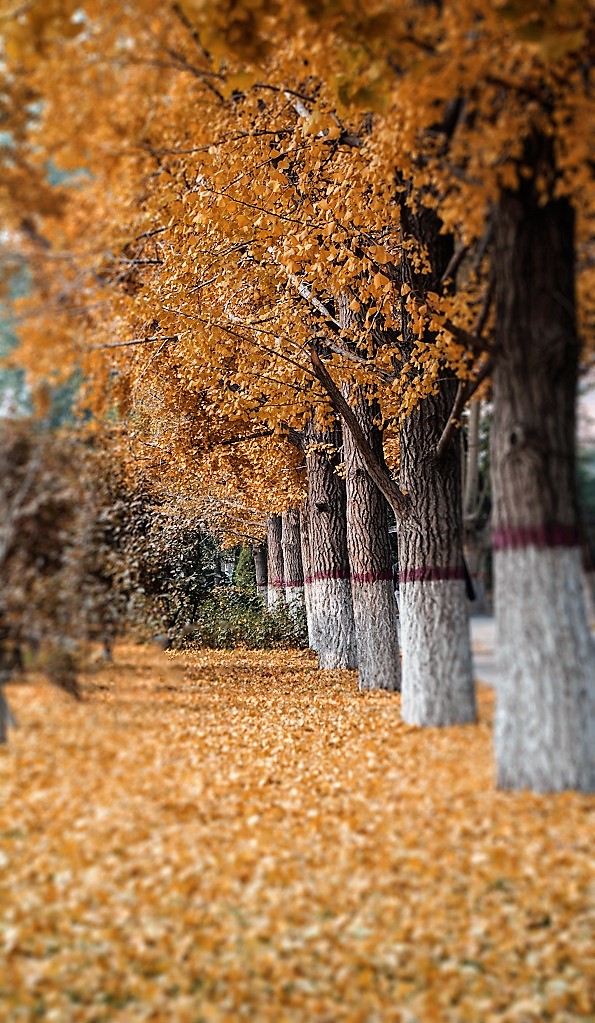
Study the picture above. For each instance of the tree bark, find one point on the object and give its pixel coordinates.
(477, 532)
(275, 567)
(7, 719)
(292, 559)
(307, 567)
(374, 605)
(545, 716)
(259, 552)
(437, 672)
(329, 586)
(471, 489)
(437, 675)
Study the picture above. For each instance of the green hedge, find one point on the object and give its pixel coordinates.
(230, 617)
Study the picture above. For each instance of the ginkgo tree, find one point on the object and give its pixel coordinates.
(296, 233)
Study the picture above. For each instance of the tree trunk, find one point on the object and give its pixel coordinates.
(259, 552)
(589, 588)
(477, 533)
(292, 559)
(328, 582)
(374, 605)
(437, 675)
(477, 550)
(545, 717)
(7, 718)
(275, 567)
(307, 567)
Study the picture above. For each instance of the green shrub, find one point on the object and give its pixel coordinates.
(244, 574)
(230, 618)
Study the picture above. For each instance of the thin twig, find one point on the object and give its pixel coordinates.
(149, 363)
(133, 341)
(472, 338)
(455, 262)
(465, 391)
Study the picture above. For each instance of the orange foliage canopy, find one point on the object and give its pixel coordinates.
(239, 175)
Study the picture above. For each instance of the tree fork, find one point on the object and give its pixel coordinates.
(378, 473)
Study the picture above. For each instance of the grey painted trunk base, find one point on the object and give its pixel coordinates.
(375, 613)
(589, 588)
(332, 623)
(263, 593)
(7, 718)
(276, 596)
(437, 671)
(545, 694)
(295, 597)
(310, 620)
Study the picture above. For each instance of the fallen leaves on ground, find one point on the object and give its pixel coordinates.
(223, 836)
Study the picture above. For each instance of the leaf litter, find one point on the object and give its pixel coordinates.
(217, 836)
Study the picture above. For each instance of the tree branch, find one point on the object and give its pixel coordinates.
(455, 262)
(376, 471)
(465, 391)
(360, 360)
(472, 338)
(241, 440)
(133, 341)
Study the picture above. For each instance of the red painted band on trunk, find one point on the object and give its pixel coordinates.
(430, 574)
(554, 534)
(335, 573)
(372, 577)
(277, 582)
(297, 584)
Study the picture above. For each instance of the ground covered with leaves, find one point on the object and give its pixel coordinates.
(218, 837)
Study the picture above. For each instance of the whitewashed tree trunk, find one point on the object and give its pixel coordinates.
(7, 718)
(589, 588)
(374, 605)
(292, 560)
(545, 707)
(332, 610)
(545, 720)
(329, 584)
(275, 567)
(437, 668)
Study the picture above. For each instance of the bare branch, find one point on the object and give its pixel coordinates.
(376, 471)
(465, 391)
(263, 209)
(472, 338)
(361, 360)
(455, 262)
(243, 440)
(286, 92)
(133, 341)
